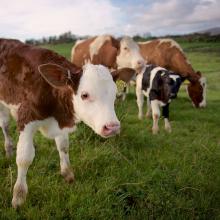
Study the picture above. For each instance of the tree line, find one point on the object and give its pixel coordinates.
(68, 37)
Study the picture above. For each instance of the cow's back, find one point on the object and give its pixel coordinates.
(102, 50)
(80, 52)
(168, 54)
(16, 74)
(21, 83)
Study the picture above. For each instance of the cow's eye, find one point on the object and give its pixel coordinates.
(84, 95)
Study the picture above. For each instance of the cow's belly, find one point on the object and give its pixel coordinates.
(50, 128)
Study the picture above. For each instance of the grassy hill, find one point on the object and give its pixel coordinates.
(135, 175)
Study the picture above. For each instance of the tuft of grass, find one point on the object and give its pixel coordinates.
(135, 175)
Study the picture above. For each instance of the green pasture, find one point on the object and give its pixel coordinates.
(135, 175)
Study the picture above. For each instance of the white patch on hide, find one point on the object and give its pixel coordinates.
(172, 42)
(174, 77)
(74, 47)
(97, 44)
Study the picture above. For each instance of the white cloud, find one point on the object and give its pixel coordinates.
(25, 18)
(176, 16)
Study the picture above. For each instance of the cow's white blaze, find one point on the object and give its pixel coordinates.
(97, 108)
(129, 55)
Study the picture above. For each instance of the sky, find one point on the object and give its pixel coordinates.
(25, 19)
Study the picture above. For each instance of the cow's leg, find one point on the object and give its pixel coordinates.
(62, 143)
(166, 117)
(127, 87)
(4, 124)
(124, 92)
(140, 101)
(156, 115)
(24, 158)
(148, 113)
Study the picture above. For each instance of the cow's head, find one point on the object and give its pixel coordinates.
(161, 85)
(93, 97)
(197, 92)
(129, 55)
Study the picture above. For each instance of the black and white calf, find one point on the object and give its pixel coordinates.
(160, 86)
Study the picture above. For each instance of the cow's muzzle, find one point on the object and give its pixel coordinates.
(110, 129)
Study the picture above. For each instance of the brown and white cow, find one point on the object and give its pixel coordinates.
(108, 51)
(46, 92)
(168, 54)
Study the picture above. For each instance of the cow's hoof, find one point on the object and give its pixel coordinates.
(167, 126)
(155, 130)
(140, 117)
(168, 129)
(19, 195)
(68, 175)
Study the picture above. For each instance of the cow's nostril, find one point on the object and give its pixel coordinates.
(112, 125)
(105, 128)
(111, 129)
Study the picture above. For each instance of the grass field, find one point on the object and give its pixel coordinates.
(135, 175)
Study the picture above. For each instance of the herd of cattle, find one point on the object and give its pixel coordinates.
(44, 91)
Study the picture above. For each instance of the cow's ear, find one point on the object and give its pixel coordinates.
(56, 75)
(124, 74)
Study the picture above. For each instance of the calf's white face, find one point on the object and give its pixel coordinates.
(129, 55)
(94, 101)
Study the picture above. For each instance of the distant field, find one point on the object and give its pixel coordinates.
(63, 49)
(201, 46)
(135, 175)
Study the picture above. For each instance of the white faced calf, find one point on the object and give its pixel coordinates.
(94, 101)
(51, 97)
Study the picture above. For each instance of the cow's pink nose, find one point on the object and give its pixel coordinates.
(111, 129)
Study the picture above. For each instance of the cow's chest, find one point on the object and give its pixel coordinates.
(50, 128)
